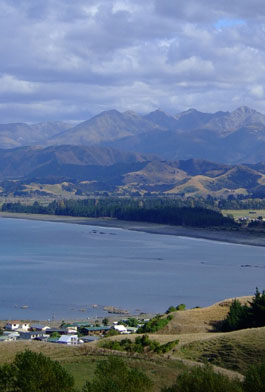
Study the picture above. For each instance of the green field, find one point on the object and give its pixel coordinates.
(161, 371)
(251, 214)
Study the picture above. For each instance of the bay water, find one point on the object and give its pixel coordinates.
(59, 270)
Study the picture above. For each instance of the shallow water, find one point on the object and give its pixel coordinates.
(57, 269)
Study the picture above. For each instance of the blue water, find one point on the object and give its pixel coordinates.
(57, 269)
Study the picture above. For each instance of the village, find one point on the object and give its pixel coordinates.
(75, 333)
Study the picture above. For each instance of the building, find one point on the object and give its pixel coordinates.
(121, 329)
(60, 331)
(12, 325)
(71, 340)
(96, 330)
(12, 334)
(71, 330)
(90, 339)
(39, 327)
(31, 335)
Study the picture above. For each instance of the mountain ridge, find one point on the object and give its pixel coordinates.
(92, 169)
(229, 137)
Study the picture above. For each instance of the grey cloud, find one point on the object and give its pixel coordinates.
(63, 59)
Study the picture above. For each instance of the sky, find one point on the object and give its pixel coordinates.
(69, 60)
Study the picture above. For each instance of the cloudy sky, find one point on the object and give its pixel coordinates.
(68, 60)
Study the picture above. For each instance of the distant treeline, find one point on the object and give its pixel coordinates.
(144, 210)
(247, 204)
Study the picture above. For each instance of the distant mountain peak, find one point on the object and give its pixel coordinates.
(191, 110)
(130, 113)
(244, 110)
(109, 112)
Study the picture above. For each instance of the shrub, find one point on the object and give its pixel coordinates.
(204, 379)
(181, 307)
(112, 332)
(171, 309)
(114, 375)
(153, 325)
(141, 344)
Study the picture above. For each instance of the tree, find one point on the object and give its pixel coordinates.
(204, 379)
(246, 316)
(236, 318)
(114, 375)
(55, 335)
(33, 372)
(132, 322)
(105, 321)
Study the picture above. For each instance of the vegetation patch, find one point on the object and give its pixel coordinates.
(142, 344)
(155, 324)
(250, 315)
(204, 379)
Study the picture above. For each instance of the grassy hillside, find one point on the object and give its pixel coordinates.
(81, 362)
(199, 320)
(233, 350)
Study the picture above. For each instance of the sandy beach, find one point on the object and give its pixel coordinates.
(231, 236)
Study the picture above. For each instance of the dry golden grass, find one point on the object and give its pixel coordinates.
(199, 320)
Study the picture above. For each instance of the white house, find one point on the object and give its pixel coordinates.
(68, 339)
(120, 328)
(24, 327)
(12, 325)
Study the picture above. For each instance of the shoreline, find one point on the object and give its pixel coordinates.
(227, 236)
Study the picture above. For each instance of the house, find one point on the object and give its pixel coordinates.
(25, 326)
(96, 330)
(12, 325)
(39, 327)
(31, 335)
(60, 331)
(120, 328)
(12, 334)
(89, 339)
(69, 340)
(132, 329)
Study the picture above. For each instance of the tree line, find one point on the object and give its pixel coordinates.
(164, 211)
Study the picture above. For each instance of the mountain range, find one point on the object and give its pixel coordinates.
(82, 170)
(226, 137)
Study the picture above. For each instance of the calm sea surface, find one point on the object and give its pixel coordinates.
(59, 269)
